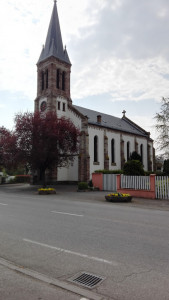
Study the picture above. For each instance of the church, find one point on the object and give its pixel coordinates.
(106, 141)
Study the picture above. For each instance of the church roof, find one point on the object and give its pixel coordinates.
(53, 45)
(123, 124)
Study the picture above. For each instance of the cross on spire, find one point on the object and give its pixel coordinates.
(124, 113)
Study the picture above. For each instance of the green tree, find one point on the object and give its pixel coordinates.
(133, 167)
(162, 127)
(166, 166)
(135, 156)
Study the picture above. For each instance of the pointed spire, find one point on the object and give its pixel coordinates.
(54, 45)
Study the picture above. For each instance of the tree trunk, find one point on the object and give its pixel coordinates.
(43, 177)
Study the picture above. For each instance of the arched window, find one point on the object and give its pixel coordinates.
(46, 79)
(141, 152)
(96, 148)
(57, 78)
(112, 151)
(43, 80)
(128, 151)
(63, 80)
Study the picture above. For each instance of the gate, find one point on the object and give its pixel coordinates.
(109, 182)
(162, 187)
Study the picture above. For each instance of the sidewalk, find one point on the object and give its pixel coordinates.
(19, 283)
(70, 192)
(16, 286)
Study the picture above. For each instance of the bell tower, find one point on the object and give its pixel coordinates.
(53, 71)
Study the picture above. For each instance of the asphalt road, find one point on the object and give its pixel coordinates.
(68, 233)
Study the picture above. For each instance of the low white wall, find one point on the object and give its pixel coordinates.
(69, 173)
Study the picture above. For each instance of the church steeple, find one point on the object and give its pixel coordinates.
(53, 45)
(53, 71)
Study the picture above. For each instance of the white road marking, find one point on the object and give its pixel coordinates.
(73, 253)
(3, 204)
(63, 213)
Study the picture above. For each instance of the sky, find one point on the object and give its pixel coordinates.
(119, 50)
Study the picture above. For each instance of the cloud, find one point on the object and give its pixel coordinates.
(2, 106)
(117, 47)
(123, 79)
(125, 53)
(134, 29)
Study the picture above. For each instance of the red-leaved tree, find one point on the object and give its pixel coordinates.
(8, 149)
(44, 142)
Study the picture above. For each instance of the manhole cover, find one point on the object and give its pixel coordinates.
(87, 280)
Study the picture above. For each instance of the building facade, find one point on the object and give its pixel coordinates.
(106, 142)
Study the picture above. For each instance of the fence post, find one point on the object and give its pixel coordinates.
(118, 180)
(152, 184)
(97, 179)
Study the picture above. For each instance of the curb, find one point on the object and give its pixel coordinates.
(49, 280)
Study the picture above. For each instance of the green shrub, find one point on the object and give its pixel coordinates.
(11, 181)
(158, 173)
(22, 179)
(109, 171)
(147, 173)
(133, 167)
(3, 180)
(90, 184)
(82, 185)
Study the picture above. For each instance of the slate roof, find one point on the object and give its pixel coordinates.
(108, 121)
(53, 45)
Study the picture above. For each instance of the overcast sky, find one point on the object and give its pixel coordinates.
(119, 50)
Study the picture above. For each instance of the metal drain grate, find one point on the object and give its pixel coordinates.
(87, 280)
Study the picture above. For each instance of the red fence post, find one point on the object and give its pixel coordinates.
(118, 181)
(97, 180)
(153, 185)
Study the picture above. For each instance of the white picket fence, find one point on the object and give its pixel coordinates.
(138, 183)
(135, 182)
(162, 187)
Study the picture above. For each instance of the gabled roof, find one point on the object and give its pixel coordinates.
(54, 45)
(108, 121)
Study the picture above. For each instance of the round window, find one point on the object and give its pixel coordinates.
(43, 106)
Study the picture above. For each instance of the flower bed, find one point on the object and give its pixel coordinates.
(46, 191)
(118, 197)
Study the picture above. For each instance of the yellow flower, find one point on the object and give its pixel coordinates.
(116, 195)
(46, 189)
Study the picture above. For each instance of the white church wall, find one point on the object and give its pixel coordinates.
(128, 138)
(67, 113)
(151, 153)
(75, 118)
(143, 141)
(100, 134)
(69, 173)
(117, 158)
(62, 110)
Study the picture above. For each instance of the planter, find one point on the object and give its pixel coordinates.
(119, 198)
(46, 191)
(92, 189)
